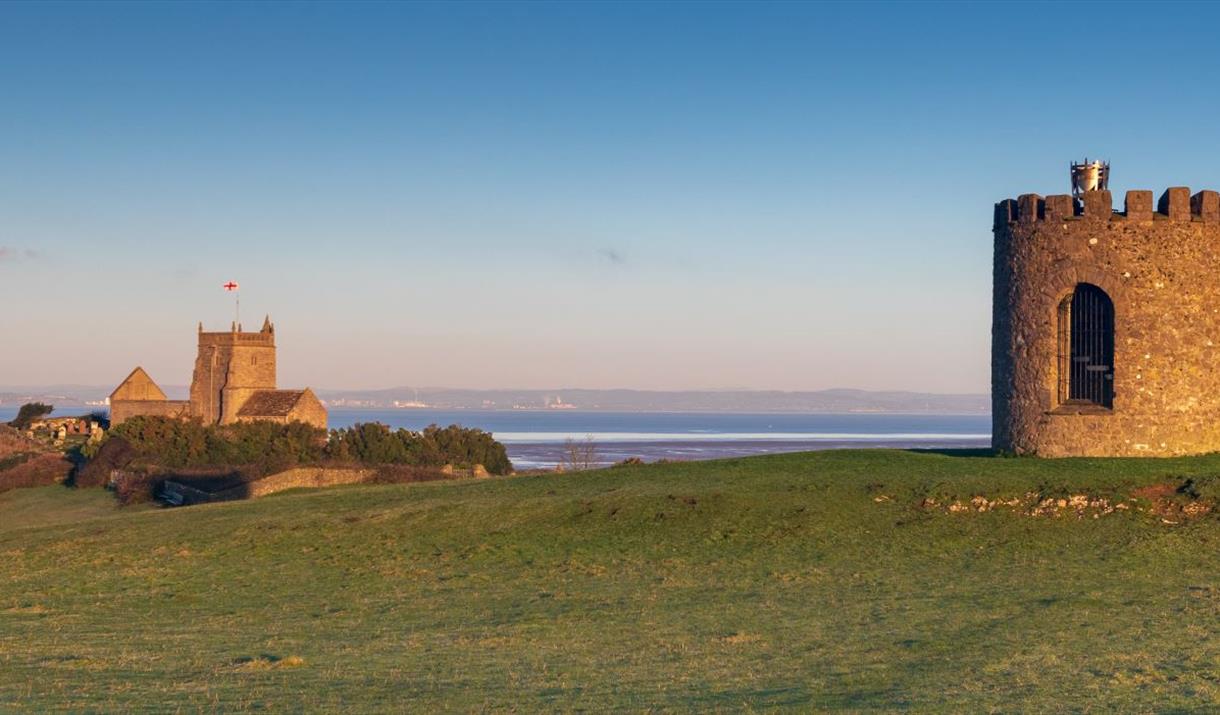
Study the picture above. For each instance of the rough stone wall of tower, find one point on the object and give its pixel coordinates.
(1161, 269)
(229, 367)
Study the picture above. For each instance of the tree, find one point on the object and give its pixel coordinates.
(579, 454)
(29, 413)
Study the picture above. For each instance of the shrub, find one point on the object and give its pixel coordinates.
(169, 442)
(114, 453)
(159, 446)
(29, 413)
(35, 470)
(375, 443)
(136, 487)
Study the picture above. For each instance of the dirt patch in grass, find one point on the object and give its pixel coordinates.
(267, 661)
(741, 638)
(1153, 492)
(1170, 501)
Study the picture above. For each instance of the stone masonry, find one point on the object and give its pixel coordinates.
(233, 381)
(1160, 266)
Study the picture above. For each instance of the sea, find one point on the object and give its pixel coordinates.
(537, 439)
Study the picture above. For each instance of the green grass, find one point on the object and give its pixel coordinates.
(745, 584)
(54, 505)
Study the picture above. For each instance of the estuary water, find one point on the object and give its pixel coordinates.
(536, 438)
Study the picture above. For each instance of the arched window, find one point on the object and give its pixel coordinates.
(1086, 347)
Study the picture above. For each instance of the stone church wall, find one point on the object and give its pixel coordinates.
(122, 410)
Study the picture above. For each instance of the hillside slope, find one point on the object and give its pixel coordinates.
(25, 462)
(863, 580)
(13, 443)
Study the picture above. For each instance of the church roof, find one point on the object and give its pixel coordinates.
(137, 386)
(271, 403)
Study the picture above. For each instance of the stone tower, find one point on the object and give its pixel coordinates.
(1106, 325)
(229, 368)
(234, 381)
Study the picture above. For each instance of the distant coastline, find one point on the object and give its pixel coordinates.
(831, 401)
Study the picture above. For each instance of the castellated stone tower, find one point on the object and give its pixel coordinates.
(229, 368)
(1105, 325)
(234, 381)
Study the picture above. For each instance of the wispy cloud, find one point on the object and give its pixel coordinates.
(8, 254)
(612, 255)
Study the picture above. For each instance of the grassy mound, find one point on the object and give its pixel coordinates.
(824, 580)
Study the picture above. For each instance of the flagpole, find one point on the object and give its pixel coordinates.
(235, 289)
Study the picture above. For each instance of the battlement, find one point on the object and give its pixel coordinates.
(236, 339)
(236, 336)
(1175, 204)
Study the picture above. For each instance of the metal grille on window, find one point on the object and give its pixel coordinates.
(1091, 342)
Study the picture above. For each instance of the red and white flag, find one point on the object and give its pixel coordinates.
(230, 286)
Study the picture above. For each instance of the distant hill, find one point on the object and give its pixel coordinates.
(835, 400)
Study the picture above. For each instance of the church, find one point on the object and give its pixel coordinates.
(234, 381)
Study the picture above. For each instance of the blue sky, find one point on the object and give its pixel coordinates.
(789, 196)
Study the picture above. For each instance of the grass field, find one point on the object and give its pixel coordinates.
(831, 580)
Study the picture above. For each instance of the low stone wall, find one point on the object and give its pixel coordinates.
(176, 492)
(305, 477)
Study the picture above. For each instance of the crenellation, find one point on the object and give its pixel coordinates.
(1005, 213)
(1098, 205)
(234, 338)
(1206, 206)
(1059, 207)
(1029, 208)
(1138, 205)
(1175, 203)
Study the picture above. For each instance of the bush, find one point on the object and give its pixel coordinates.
(136, 487)
(143, 451)
(29, 413)
(375, 443)
(112, 454)
(169, 442)
(34, 470)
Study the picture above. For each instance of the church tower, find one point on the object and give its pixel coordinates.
(229, 368)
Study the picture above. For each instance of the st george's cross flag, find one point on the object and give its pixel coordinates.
(230, 286)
